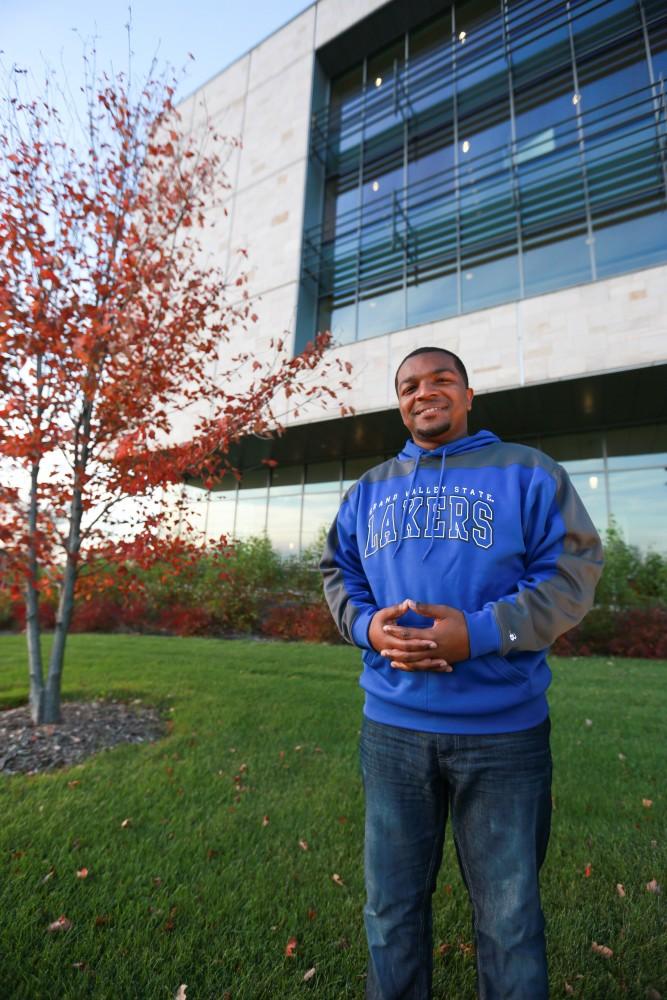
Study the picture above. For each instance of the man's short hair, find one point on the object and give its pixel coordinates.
(458, 364)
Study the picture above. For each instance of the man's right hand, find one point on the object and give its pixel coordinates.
(379, 640)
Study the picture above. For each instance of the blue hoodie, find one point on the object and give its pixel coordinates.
(496, 530)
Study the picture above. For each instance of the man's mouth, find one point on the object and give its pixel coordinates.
(431, 409)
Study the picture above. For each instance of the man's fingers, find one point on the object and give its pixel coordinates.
(434, 666)
(395, 611)
(428, 610)
(414, 650)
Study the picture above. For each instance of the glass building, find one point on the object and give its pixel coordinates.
(485, 176)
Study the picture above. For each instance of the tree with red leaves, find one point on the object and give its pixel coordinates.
(111, 324)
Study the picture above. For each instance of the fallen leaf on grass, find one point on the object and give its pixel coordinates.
(620, 889)
(102, 921)
(82, 873)
(49, 875)
(265, 820)
(601, 949)
(444, 949)
(647, 803)
(180, 992)
(447, 889)
(588, 723)
(309, 975)
(337, 879)
(653, 886)
(342, 819)
(466, 948)
(587, 871)
(61, 924)
(303, 844)
(73, 784)
(290, 947)
(312, 914)
(126, 822)
(569, 990)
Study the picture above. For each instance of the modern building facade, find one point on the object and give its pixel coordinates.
(488, 176)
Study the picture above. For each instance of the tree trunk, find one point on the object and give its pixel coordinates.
(33, 630)
(51, 709)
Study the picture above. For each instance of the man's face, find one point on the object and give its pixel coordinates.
(433, 399)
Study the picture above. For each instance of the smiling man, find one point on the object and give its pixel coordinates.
(454, 567)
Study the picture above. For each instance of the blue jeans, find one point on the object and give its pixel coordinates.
(497, 789)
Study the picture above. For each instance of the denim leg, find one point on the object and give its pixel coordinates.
(500, 787)
(406, 809)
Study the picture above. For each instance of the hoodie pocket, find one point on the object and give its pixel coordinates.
(506, 669)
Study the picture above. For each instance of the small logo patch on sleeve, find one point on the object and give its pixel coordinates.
(513, 636)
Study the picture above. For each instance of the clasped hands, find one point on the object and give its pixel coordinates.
(434, 648)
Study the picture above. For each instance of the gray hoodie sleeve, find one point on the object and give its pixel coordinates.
(563, 565)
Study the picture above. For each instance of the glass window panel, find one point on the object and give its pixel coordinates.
(432, 292)
(632, 446)
(489, 282)
(250, 515)
(654, 11)
(430, 153)
(381, 309)
(319, 511)
(576, 452)
(338, 316)
(479, 52)
(637, 242)
(342, 201)
(322, 476)
(595, 23)
(346, 109)
(639, 507)
(221, 511)
(383, 174)
(547, 106)
(538, 39)
(283, 522)
(429, 78)
(355, 467)
(286, 479)
(255, 479)
(556, 265)
(196, 510)
(591, 489)
(384, 89)
(601, 81)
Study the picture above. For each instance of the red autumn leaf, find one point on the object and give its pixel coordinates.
(602, 950)
(303, 844)
(587, 871)
(61, 924)
(290, 948)
(647, 803)
(312, 914)
(82, 873)
(265, 821)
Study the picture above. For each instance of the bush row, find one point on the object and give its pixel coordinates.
(249, 589)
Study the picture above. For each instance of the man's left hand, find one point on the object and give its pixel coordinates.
(449, 631)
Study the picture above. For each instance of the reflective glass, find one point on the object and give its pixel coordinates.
(575, 451)
(322, 477)
(286, 479)
(556, 265)
(221, 510)
(591, 489)
(338, 316)
(432, 293)
(384, 90)
(283, 523)
(637, 242)
(637, 445)
(250, 514)
(489, 282)
(319, 511)
(346, 110)
(196, 511)
(355, 467)
(255, 479)
(429, 80)
(639, 507)
(539, 39)
(381, 309)
(595, 24)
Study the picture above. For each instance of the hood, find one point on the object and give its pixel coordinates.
(458, 447)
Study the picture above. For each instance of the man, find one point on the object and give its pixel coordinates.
(454, 567)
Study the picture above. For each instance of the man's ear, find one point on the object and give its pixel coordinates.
(469, 394)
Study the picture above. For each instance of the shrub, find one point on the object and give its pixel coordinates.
(307, 622)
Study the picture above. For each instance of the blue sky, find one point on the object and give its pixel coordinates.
(216, 33)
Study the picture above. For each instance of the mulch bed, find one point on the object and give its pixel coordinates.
(85, 728)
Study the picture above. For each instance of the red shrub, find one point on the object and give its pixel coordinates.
(307, 622)
(637, 632)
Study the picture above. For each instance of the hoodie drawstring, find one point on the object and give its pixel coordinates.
(443, 465)
(405, 506)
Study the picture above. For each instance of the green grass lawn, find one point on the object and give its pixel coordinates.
(200, 889)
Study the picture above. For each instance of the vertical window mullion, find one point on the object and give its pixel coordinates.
(581, 144)
(457, 191)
